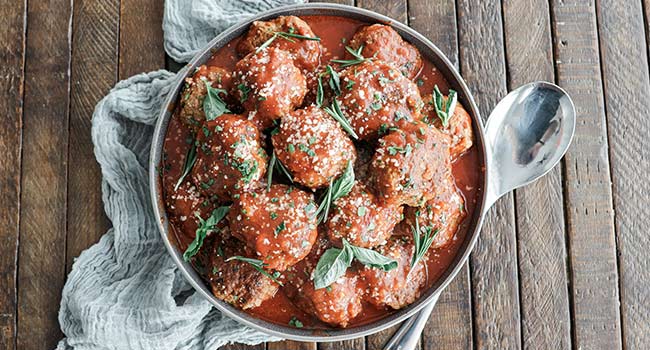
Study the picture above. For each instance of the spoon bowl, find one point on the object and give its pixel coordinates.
(526, 135)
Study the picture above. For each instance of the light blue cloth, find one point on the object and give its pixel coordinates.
(125, 292)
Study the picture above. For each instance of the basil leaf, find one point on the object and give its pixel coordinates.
(370, 257)
(205, 226)
(213, 105)
(331, 266)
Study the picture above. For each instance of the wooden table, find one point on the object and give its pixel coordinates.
(560, 264)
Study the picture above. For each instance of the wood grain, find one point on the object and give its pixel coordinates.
(12, 51)
(94, 72)
(627, 100)
(493, 265)
(590, 221)
(44, 167)
(141, 37)
(291, 345)
(450, 324)
(544, 297)
(398, 11)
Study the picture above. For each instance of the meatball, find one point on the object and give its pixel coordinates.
(195, 90)
(459, 126)
(305, 53)
(400, 286)
(185, 206)
(278, 224)
(383, 43)
(408, 163)
(237, 282)
(361, 219)
(443, 213)
(337, 304)
(268, 85)
(376, 97)
(313, 147)
(230, 158)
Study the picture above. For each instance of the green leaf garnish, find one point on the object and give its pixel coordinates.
(257, 265)
(213, 105)
(338, 188)
(334, 110)
(274, 164)
(334, 262)
(444, 110)
(335, 81)
(190, 159)
(205, 226)
(294, 322)
(319, 92)
(358, 58)
(422, 240)
(244, 89)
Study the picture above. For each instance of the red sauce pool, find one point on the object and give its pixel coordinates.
(335, 32)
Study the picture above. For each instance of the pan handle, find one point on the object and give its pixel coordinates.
(408, 334)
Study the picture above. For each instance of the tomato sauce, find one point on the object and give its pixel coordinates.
(335, 33)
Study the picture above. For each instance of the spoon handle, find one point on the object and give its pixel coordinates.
(407, 336)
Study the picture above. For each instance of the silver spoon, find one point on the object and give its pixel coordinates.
(527, 134)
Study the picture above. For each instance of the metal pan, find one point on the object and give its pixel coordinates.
(429, 51)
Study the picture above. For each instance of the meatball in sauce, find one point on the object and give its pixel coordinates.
(271, 193)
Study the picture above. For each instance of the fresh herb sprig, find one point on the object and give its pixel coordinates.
(422, 240)
(205, 226)
(319, 92)
(190, 159)
(287, 36)
(444, 109)
(259, 266)
(334, 110)
(358, 57)
(335, 81)
(275, 163)
(213, 105)
(335, 261)
(338, 188)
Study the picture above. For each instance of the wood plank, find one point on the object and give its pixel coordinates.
(398, 11)
(454, 307)
(94, 72)
(493, 264)
(44, 173)
(141, 37)
(12, 41)
(545, 319)
(624, 63)
(590, 221)
(291, 345)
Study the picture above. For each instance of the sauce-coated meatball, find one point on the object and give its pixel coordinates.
(361, 219)
(185, 205)
(195, 90)
(230, 158)
(313, 147)
(337, 304)
(384, 43)
(305, 53)
(279, 224)
(268, 85)
(376, 97)
(459, 126)
(443, 213)
(237, 282)
(408, 163)
(400, 286)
